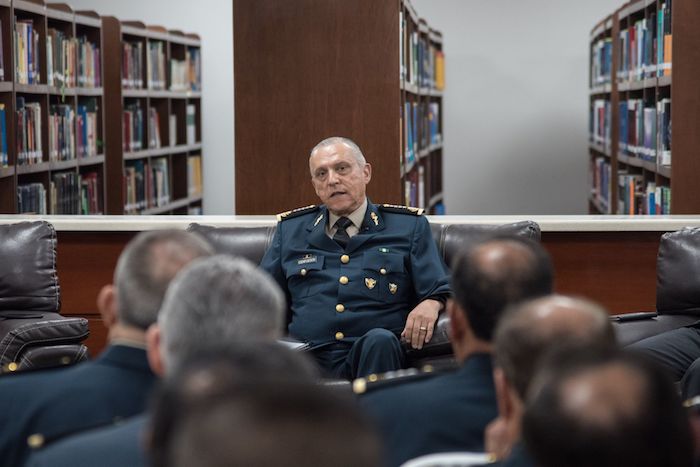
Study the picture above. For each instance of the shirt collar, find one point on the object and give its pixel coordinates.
(357, 216)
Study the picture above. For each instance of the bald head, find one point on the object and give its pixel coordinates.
(605, 408)
(529, 330)
(498, 273)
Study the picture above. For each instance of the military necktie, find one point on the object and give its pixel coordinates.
(341, 236)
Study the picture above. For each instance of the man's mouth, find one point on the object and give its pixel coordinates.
(337, 193)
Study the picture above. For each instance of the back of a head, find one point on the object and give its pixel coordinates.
(496, 273)
(215, 301)
(272, 415)
(605, 408)
(145, 268)
(530, 329)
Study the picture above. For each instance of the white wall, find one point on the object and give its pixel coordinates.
(213, 21)
(515, 104)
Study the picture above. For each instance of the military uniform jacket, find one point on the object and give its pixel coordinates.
(447, 413)
(338, 295)
(56, 403)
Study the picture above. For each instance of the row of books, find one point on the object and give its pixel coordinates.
(421, 63)
(70, 193)
(155, 65)
(601, 61)
(147, 184)
(600, 122)
(133, 130)
(186, 75)
(4, 157)
(636, 195)
(86, 137)
(194, 175)
(599, 181)
(132, 65)
(134, 127)
(414, 189)
(646, 46)
(153, 128)
(72, 61)
(61, 133)
(26, 52)
(29, 148)
(421, 128)
(645, 130)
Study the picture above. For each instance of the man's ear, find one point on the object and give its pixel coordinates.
(107, 305)
(504, 394)
(458, 321)
(367, 171)
(155, 357)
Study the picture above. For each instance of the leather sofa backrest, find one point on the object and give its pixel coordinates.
(678, 272)
(28, 279)
(251, 242)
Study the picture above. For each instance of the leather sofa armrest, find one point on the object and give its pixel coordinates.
(49, 329)
(52, 356)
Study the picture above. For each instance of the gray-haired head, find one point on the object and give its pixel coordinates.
(354, 148)
(216, 300)
(145, 268)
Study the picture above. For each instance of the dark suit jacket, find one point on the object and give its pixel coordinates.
(113, 446)
(447, 413)
(63, 401)
(389, 267)
(519, 457)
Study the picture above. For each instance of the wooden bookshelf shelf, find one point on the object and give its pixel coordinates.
(357, 87)
(7, 172)
(5, 86)
(600, 149)
(645, 98)
(84, 161)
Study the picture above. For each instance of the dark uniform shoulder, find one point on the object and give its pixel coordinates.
(397, 208)
(297, 212)
(391, 378)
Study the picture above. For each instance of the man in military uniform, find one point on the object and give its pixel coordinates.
(358, 276)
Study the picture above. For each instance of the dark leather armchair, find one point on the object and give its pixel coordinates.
(677, 289)
(251, 243)
(32, 332)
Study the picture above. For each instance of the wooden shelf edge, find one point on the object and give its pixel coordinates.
(664, 171)
(33, 168)
(29, 7)
(7, 171)
(5, 86)
(31, 88)
(600, 89)
(94, 160)
(179, 203)
(602, 209)
(63, 165)
(599, 148)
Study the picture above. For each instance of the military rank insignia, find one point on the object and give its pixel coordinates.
(370, 283)
(374, 217)
(393, 288)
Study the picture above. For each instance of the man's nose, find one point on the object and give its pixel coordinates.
(332, 177)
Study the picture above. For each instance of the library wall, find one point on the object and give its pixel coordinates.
(515, 103)
(211, 19)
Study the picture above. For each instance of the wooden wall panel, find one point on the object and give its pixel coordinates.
(617, 269)
(306, 70)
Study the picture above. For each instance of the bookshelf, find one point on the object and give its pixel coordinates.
(51, 92)
(645, 109)
(156, 143)
(306, 70)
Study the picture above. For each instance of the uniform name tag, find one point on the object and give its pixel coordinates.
(307, 259)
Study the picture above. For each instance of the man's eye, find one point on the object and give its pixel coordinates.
(342, 169)
(320, 174)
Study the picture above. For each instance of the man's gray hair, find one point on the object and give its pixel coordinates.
(145, 268)
(216, 300)
(355, 149)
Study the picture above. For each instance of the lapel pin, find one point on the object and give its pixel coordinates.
(374, 217)
(318, 219)
(393, 288)
(370, 283)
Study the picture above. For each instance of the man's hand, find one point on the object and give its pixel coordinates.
(497, 438)
(421, 323)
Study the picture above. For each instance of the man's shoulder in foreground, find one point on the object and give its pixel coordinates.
(448, 412)
(117, 445)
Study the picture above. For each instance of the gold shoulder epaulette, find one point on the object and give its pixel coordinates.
(402, 209)
(374, 381)
(296, 212)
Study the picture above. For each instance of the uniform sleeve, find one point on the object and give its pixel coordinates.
(429, 273)
(272, 264)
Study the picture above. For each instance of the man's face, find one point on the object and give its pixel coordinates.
(338, 178)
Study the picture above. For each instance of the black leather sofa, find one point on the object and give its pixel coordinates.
(251, 243)
(32, 332)
(677, 289)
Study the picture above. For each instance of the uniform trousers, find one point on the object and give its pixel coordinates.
(377, 351)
